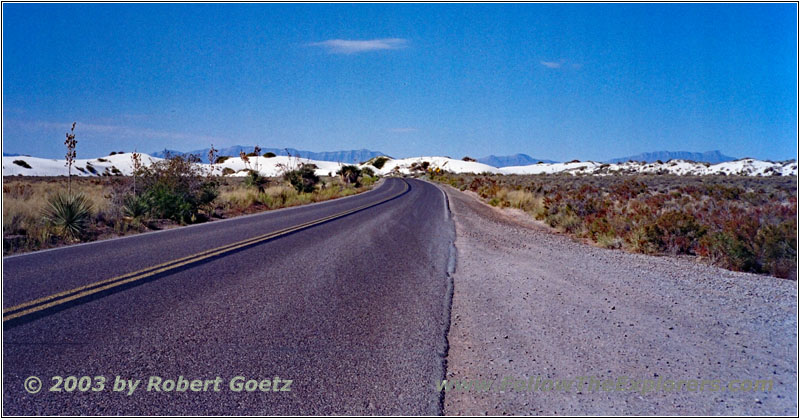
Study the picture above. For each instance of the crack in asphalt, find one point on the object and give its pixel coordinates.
(451, 268)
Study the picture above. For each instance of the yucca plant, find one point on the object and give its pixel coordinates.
(69, 213)
(135, 206)
(349, 174)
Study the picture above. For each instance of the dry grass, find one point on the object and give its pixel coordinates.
(25, 199)
(737, 222)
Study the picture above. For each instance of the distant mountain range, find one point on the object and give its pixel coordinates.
(712, 157)
(346, 156)
(513, 160)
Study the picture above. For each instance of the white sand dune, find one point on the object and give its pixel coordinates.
(274, 166)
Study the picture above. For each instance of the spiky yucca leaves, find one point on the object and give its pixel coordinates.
(349, 174)
(69, 213)
(135, 206)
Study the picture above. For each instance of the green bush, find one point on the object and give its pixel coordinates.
(777, 248)
(349, 174)
(269, 154)
(676, 232)
(70, 214)
(135, 206)
(366, 171)
(378, 162)
(22, 163)
(255, 180)
(303, 179)
(176, 189)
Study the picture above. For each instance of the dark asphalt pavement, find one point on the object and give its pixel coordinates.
(353, 311)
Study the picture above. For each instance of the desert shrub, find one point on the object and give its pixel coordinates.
(349, 174)
(367, 181)
(420, 166)
(135, 206)
(221, 159)
(22, 163)
(227, 171)
(736, 222)
(176, 189)
(102, 160)
(777, 248)
(367, 171)
(520, 199)
(69, 213)
(269, 155)
(255, 180)
(378, 162)
(726, 249)
(467, 158)
(303, 179)
(676, 232)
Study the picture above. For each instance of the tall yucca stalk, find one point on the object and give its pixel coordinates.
(69, 213)
(137, 165)
(71, 143)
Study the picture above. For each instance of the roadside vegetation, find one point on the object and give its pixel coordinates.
(38, 214)
(744, 224)
(44, 212)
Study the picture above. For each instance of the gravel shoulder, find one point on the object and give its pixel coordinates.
(532, 305)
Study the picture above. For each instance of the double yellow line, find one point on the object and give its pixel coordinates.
(61, 298)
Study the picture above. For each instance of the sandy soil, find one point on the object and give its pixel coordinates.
(532, 305)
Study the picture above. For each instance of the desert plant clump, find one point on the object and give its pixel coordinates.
(349, 174)
(377, 162)
(303, 179)
(740, 223)
(269, 154)
(366, 171)
(176, 189)
(255, 180)
(69, 214)
(135, 207)
(22, 163)
(116, 211)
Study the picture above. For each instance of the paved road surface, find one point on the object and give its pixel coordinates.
(353, 311)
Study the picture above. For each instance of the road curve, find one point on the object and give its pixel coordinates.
(352, 310)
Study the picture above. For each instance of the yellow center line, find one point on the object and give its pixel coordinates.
(42, 303)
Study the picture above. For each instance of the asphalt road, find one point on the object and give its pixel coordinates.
(354, 311)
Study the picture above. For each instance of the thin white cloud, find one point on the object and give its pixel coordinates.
(403, 130)
(561, 64)
(348, 46)
(552, 64)
(117, 131)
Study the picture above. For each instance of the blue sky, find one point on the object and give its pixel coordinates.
(586, 81)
